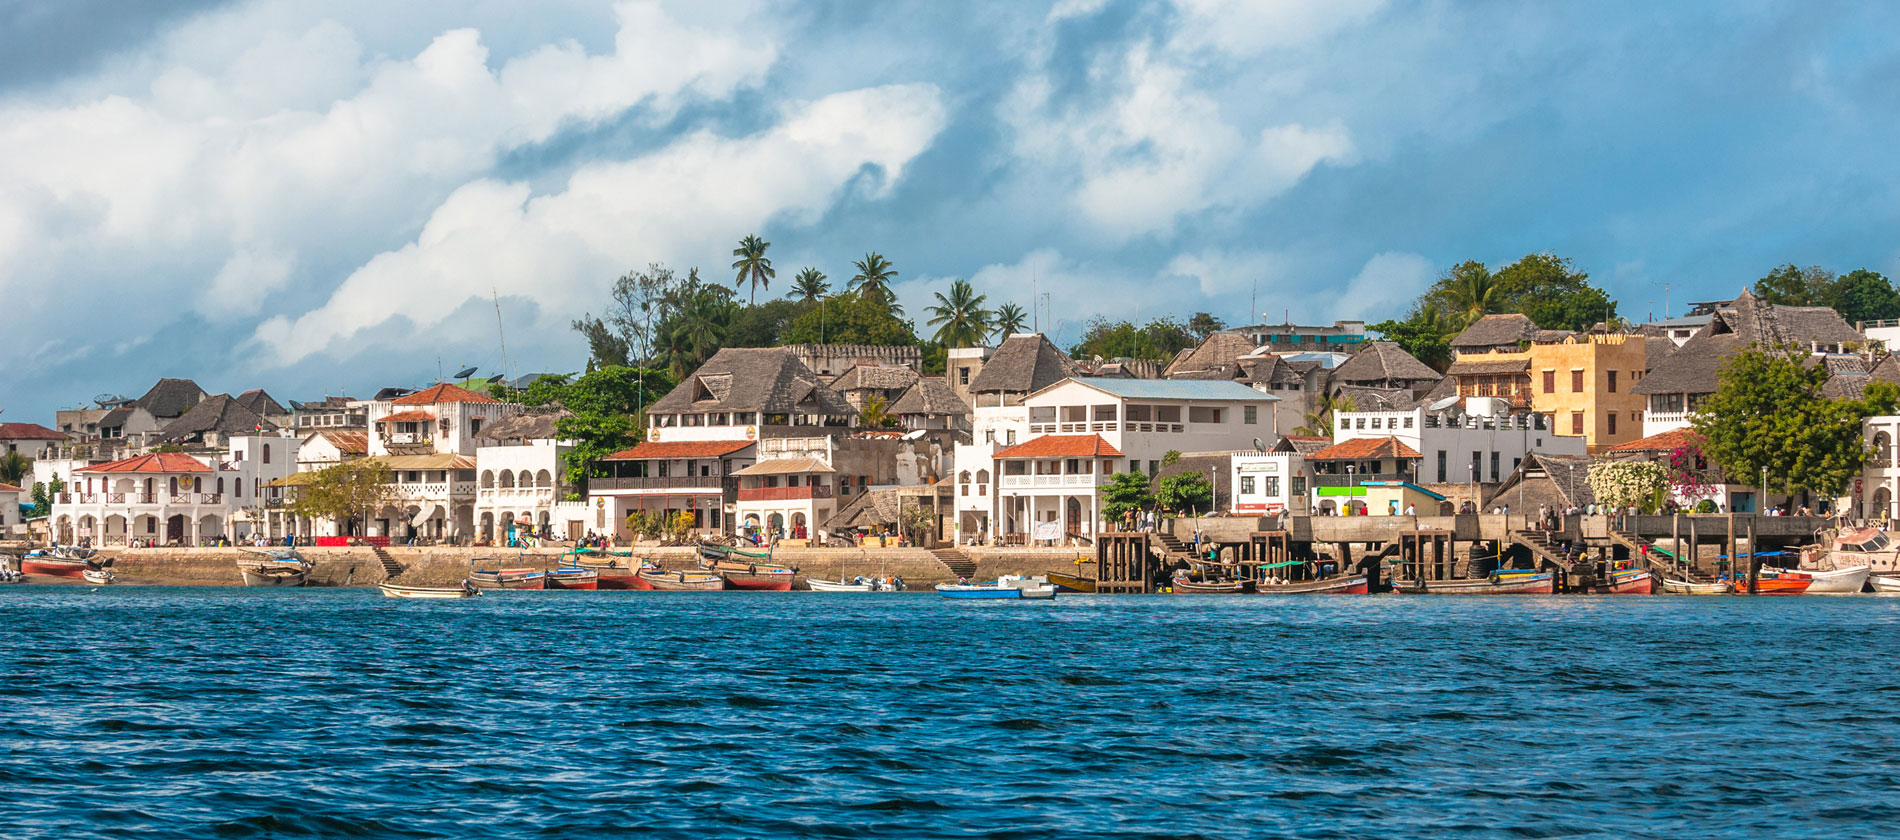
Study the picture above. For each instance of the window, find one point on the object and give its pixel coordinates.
(1153, 467)
(1103, 413)
(1375, 422)
(1273, 486)
(1441, 466)
(1408, 422)
(1167, 414)
(1494, 467)
(1203, 414)
(963, 376)
(1250, 415)
(1576, 382)
(1246, 485)
(1140, 413)
(1477, 466)
(1576, 422)
(1612, 382)
(1550, 382)
(237, 487)
(1134, 465)
(1612, 415)
(1299, 485)
(1009, 437)
(1362, 422)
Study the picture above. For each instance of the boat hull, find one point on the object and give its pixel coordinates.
(1885, 584)
(1354, 585)
(759, 581)
(1835, 582)
(1542, 583)
(683, 581)
(834, 586)
(264, 576)
(100, 576)
(508, 579)
(1182, 586)
(578, 583)
(1072, 583)
(53, 567)
(1631, 583)
(1774, 586)
(466, 590)
(1683, 587)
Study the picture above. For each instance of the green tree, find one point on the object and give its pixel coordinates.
(14, 468)
(1203, 325)
(1861, 296)
(1422, 335)
(44, 493)
(1160, 340)
(1125, 493)
(1319, 421)
(1791, 285)
(873, 281)
(342, 492)
(960, 318)
(1465, 292)
(607, 409)
(1551, 290)
(624, 334)
(1769, 412)
(753, 265)
(849, 318)
(876, 413)
(1186, 492)
(1008, 320)
(1622, 484)
(761, 325)
(605, 347)
(694, 326)
(809, 285)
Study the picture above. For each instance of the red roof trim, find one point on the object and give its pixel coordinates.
(680, 449)
(1660, 442)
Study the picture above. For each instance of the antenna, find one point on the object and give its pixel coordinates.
(499, 336)
(1254, 305)
(1035, 308)
(1665, 285)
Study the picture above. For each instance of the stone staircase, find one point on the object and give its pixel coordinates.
(1661, 562)
(960, 564)
(1542, 547)
(391, 568)
(1171, 546)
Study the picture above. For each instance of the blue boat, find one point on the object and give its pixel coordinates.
(1007, 587)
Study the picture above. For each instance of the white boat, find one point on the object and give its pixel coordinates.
(1007, 587)
(1683, 587)
(277, 567)
(466, 590)
(98, 576)
(1847, 581)
(860, 584)
(1885, 584)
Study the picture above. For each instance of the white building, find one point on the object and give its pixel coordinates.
(1473, 441)
(1270, 483)
(521, 487)
(1035, 468)
(1876, 494)
(429, 439)
(172, 498)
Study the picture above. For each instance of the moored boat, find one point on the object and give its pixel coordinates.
(764, 577)
(1343, 585)
(1184, 586)
(1683, 587)
(572, 577)
(98, 576)
(1766, 585)
(1072, 583)
(616, 569)
(269, 575)
(466, 590)
(50, 566)
(508, 578)
(714, 552)
(836, 586)
(1006, 587)
(1885, 584)
(1507, 582)
(1628, 582)
(683, 581)
(1848, 581)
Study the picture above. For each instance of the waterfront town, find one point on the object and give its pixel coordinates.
(1575, 452)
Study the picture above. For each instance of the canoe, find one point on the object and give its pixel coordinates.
(614, 573)
(1351, 585)
(572, 578)
(98, 576)
(466, 590)
(1628, 582)
(53, 566)
(1183, 586)
(756, 576)
(273, 575)
(1072, 583)
(834, 586)
(1683, 587)
(715, 552)
(1885, 584)
(1499, 583)
(1849, 581)
(1007, 587)
(508, 579)
(684, 581)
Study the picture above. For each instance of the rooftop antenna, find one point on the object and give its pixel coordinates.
(1035, 307)
(1254, 305)
(1665, 285)
(499, 336)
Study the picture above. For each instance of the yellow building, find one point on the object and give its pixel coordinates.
(1581, 382)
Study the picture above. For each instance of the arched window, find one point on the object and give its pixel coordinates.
(267, 453)
(174, 485)
(1883, 449)
(220, 485)
(237, 487)
(197, 485)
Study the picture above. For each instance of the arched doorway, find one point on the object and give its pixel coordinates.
(798, 526)
(1882, 506)
(1072, 510)
(488, 525)
(175, 528)
(210, 527)
(777, 523)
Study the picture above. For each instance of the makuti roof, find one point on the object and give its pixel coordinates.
(1022, 364)
(220, 414)
(768, 380)
(170, 398)
(1383, 362)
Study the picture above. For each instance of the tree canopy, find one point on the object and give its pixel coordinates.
(960, 318)
(343, 491)
(1859, 295)
(1546, 287)
(849, 318)
(1159, 341)
(1768, 411)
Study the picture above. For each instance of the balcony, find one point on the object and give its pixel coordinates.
(781, 494)
(1356, 479)
(161, 499)
(1030, 482)
(690, 483)
(433, 489)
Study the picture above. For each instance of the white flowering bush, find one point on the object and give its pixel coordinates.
(1620, 484)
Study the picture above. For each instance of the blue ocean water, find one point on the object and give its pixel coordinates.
(161, 712)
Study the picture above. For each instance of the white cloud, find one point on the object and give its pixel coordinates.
(1385, 287)
(240, 287)
(1067, 9)
(674, 205)
(1245, 27)
(1231, 273)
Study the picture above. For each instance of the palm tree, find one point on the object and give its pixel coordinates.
(873, 280)
(14, 468)
(876, 413)
(809, 285)
(1006, 320)
(1320, 421)
(753, 265)
(1471, 293)
(964, 320)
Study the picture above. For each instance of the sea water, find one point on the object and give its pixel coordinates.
(177, 712)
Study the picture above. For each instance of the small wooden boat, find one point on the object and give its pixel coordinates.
(1765, 585)
(1345, 585)
(508, 579)
(51, 566)
(1885, 584)
(1072, 583)
(1006, 587)
(100, 576)
(617, 570)
(1184, 586)
(834, 586)
(572, 577)
(1506, 582)
(8, 574)
(713, 552)
(1848, 581)
(1683, 587)
(684, 581)
(265, 575)
(466, 590)
(1628, 582)
(765, 577)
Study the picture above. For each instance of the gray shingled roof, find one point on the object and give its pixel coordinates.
(1498, 330)
(1655, 350)
(1024, 363)
(1386, 364)
(170, 398)
(764, 379)
(874, 376)
(1565, 482)
(1693, 368)
(1462, 367)
(1374, 399)
(221, 414)
(262, 403)
(1219, 352)
(534, 425)
(930, 395)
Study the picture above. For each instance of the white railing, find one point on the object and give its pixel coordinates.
(1032, 481)
(141, 500)
(1664, 417)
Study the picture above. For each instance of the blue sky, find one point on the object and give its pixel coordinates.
(326, 197)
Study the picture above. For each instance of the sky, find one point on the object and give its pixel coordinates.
(322, 198)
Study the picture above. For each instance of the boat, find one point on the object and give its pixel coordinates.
(1885, 584)
(1849, 581)
(8, 574)
(616, 569)
(835, 586)
(713, 552)
(98, 576)
(1852, 547)
(1766, 585)
(766, 577)
(683, 581)
(1072, 583)
(466, 590)
(1184, 586)
(1683, 587)
(508, 578)
(572, 577)
(50, 566)
(1503, 582)
(1627, 582)
(1343, 585)
(1006, 587)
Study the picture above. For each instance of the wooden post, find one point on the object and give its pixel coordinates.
(1734, 568)
(1754, 561)
(1695, 545)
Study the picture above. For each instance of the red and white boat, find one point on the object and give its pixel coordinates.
(1773, 586)
(764, 577)
(569, 577)
(53, 566)
(1346, 585)
(1628, 582)
(1849, 581)
(684, 581)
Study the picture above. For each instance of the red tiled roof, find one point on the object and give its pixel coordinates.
(1365, 449)
(1664, 442)
(353, 443)
(443, 393)
(1061, 446)
(8, 488)
(157, 462)
(413, 416)
(28, 431)
(1307, 437)
(680, 449)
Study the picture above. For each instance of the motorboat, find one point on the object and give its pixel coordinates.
(100, 576)
(1885, 584)
(277, 567)
(466, 590)
(1006, 587)
(1848, 581)
(1849, 548)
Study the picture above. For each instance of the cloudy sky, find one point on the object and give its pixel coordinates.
(328, 197)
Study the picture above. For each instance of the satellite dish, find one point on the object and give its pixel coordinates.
(466, 373)
(1258, 446)
(495, 378)
(1445, 403)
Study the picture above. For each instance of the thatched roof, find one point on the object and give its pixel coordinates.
(1373, 399)
(874, 376)
(867, 510)
(170, 398)
(932, 396)
(769, 380)
(1501, 331)
(1554, 481)
(1483, 368)
(1656, 350)
(221, 414)
(1693, 367)
(1024, 363)
(1384, 364)
(538, 425)
(1217, 355)
(262, 403)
